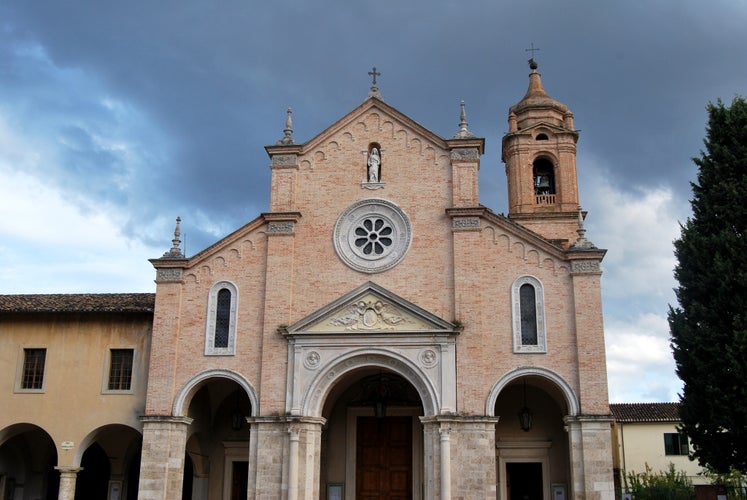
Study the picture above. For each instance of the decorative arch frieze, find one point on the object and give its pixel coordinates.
(184, 398)
(569, 395)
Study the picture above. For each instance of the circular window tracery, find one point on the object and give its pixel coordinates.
(372, 235)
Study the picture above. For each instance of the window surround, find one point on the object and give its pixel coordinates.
(21, 368)
(210, 348)
(539, 297)
(107, 371)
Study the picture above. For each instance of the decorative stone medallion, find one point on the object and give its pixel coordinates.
(372, 235)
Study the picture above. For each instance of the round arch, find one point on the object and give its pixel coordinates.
(190, 388)
(17, 428)
(546, 155)
(93, 436)
(570, 397)
(320, 387)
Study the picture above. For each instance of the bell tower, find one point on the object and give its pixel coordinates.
(539, 151)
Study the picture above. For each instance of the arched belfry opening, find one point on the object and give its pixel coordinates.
(372, 441)
(543, 172)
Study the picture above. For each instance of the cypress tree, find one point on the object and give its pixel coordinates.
(709, 326)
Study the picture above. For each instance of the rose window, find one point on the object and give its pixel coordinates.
(373, 236)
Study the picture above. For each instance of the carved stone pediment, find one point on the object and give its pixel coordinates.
(370, 309)
(375, 329)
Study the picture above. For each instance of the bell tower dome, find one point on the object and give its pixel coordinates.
(539, 151)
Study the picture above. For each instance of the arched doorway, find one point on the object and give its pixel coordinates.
(93, 480)
(110, 462)
(372, 443)
(27, 460)
(217, 448)
(532, 445)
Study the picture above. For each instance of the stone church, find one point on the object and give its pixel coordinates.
(377, 334)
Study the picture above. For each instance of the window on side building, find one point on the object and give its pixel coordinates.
(32, 373)
(120, 369)
(675, 443)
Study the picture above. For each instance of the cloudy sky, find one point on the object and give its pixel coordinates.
(115, 117)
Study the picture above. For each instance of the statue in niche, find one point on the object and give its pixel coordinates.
(374, 165)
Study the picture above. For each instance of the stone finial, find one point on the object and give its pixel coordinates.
(175, 252)
(463, 132)
(581, 242)
(288, 130)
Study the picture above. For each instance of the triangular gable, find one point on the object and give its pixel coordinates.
(542, 124)
(370, 309)
(365, 107)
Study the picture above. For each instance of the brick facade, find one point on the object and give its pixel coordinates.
(402, 276)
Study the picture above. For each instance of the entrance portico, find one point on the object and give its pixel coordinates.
(367, 351)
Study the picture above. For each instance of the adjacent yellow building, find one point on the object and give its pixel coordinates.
(645, 436)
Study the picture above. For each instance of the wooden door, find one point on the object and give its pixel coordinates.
(384, 458)
(524, 481)
(239, 480)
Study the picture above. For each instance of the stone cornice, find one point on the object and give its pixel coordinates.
(469, 143)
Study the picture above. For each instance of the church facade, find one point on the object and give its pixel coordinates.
(378, 333)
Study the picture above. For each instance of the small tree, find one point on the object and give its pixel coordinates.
(709, 328)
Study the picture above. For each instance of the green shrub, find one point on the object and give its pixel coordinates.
(663, 485)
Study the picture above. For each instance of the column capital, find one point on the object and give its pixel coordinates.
(165, 419)
(68, 469)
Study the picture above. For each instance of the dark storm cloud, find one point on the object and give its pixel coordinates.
(118, 116)
(215, 78)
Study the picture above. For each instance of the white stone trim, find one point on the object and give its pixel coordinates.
(313, 397)
(210, 349)
(539, 298)
(353, 226)
(523, 451)
(570, 397)
(185, 395)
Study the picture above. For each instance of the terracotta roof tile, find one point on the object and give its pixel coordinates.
(646, 412)
(78, 303)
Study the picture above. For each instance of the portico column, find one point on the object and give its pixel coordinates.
(293, 464)
(445, 463)
(162, 459)
(591, 457)
(464, 446)
(68, 477)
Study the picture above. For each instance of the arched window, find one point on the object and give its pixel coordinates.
(220, 333)
(544, 181)
(528, 311)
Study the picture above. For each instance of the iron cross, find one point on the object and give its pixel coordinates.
(530, 49)
(374, 74)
